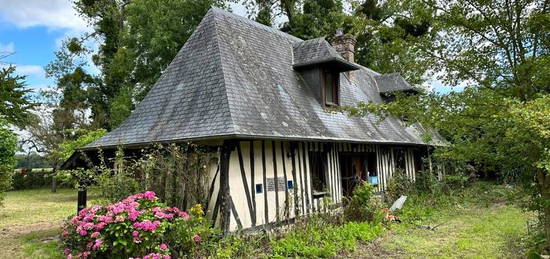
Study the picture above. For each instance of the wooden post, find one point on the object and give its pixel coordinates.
(54, 181)
(225, 208)
(82, 199)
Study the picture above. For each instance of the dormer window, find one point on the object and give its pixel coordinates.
(331, 88)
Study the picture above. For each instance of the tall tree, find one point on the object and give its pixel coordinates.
(500, 123)
(137, 39)
(15, 105)
(8, 146)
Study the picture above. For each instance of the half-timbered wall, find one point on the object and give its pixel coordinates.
(270, 181)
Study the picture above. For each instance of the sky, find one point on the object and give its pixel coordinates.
(32, 30)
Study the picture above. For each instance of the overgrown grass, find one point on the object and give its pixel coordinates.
(31, 219)
(317, 240)
(484, 220)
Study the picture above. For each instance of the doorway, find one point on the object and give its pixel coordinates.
(355, 168)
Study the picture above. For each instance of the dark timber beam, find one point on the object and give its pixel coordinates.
(225, 198)
(82, 199)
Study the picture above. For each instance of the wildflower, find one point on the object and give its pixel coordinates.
(67, 251)
(95, 234)
(163, 247)
(197, 238)
(65, 234)
(183, 214)
(88, 226)
(100, 226)
(82, 232)
(133, 214)
(197, 210)
(150, 195)
(135, 233)
(97, 244)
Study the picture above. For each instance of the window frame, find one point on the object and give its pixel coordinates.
(335, 87)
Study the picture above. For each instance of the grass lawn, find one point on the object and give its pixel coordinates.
(482, 223)
(30, 222)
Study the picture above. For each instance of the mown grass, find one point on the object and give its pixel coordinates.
(31, 219)
(483, 221)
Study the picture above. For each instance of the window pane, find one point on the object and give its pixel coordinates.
(329, 85)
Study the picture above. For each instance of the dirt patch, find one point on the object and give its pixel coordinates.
(373, 249)
(11, 237)
(21, 230)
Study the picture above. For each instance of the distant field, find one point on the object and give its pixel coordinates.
(30, 221)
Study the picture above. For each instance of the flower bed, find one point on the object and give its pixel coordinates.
(136, 227)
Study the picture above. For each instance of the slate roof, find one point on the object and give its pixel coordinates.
(318, 51)
(393, 82)
(235, 78)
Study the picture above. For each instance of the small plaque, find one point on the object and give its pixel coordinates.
(281, 184)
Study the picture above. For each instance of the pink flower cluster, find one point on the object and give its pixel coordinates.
(147, 225)
(91, 222)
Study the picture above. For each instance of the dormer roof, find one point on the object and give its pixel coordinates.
(394, 82)
(317, 52)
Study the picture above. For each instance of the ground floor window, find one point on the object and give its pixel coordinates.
(357, 167)
(399, 158)
(318, 165)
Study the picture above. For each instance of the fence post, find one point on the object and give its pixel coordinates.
(82, 199)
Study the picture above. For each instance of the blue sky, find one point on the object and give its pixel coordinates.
(33, 29)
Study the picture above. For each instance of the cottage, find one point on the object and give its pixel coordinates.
(259, 98)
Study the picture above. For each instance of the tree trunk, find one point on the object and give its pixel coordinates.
(544, 182)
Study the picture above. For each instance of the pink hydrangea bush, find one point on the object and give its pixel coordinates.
(137, 227)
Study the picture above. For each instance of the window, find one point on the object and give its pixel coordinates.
(399, 158)
(330, 88)
(317, 163)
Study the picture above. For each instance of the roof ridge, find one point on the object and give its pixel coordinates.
(224, 80)
(225, 13)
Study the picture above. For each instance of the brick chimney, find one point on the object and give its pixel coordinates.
(345, 45)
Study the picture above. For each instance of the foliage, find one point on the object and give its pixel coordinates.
(15, 105)
(363, 205)
(138, 41)
(8, 146)
(318, 240)
(499, 124)
(31, 160)
(138, 226)
(399, 185)
(178, 173)
(390, 34)
(67, 148)
(30, 179)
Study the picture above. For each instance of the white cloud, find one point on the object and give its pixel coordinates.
(7, 48)
(35, 72)
(54, 14)
(30, 70)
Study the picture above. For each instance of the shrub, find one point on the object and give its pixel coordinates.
(399, 185)
(363, 205)
(30, 179)
(138, 226)
(179, 174)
